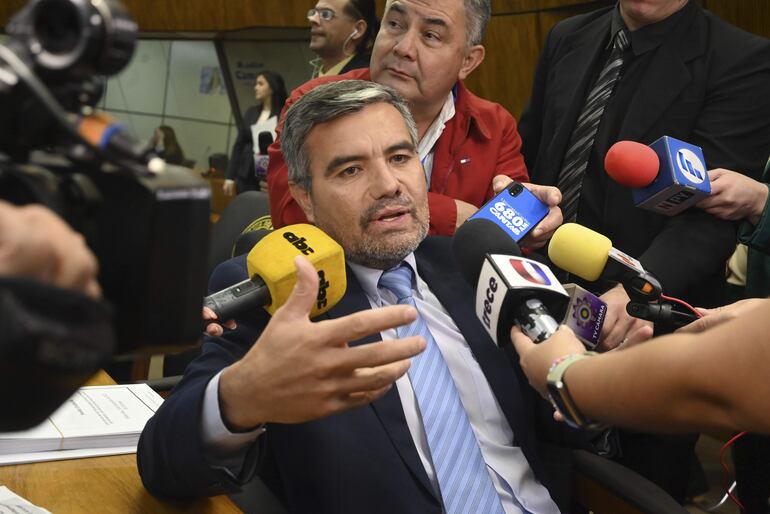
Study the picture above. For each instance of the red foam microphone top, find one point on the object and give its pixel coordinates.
(632, 164)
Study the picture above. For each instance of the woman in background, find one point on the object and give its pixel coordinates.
(166, 146)
(270, 93)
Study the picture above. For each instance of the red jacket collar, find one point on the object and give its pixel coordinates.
(469, 110)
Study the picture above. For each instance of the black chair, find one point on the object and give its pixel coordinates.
(248, 211)
(606, 487)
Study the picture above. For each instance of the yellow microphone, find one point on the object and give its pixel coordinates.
(584, 252)
(579, 250)
(270, 265)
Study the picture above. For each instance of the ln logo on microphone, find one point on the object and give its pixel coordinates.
(531, 272)
(682, 179)
(690, 165)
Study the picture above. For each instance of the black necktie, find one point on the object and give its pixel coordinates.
(582, 140)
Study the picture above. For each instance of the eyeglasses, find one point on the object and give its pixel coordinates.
(323, 13)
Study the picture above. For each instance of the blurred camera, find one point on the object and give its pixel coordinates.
(146, 221)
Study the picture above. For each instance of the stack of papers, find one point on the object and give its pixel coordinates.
(11, 503)
(95, 418)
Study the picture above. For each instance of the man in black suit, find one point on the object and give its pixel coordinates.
(456, 434)
(639, 71)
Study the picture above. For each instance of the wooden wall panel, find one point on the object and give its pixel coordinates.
(519, 27)
(513, 43)
(202, 15)
(514, 39)
(8, 8)
(751, 15)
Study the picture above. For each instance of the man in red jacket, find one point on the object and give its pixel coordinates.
(424, 50)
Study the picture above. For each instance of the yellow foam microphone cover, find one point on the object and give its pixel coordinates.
(579, 250)
(273, 260)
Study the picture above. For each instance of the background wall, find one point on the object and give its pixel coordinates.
(513, 42)
(518, 30)
(175, 83)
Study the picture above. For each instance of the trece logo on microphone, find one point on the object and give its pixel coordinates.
(531, 272)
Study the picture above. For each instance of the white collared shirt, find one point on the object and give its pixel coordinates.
(427, 145)
(514, 480)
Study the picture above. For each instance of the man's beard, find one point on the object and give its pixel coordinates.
(382, 252)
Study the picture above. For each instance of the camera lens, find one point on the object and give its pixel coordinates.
(57, 26)
(516, 189)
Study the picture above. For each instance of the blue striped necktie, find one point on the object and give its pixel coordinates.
(465, 483)
(581, 143)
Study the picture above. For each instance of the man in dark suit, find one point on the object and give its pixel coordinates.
(456, 434)
(684, 73)
(639, 71)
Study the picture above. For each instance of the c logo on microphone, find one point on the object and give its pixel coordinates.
(531, 272)
(691, 166)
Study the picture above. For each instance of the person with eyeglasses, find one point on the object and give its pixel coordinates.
(341, 35)
(425, 50)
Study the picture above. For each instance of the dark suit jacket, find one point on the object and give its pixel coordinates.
(241, 163)
(360, 60)
(359, 461)
(708, 85)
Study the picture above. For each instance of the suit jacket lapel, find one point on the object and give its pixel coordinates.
(388, 409)
(569, 86)
(664, 80)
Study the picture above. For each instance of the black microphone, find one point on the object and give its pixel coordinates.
(265, 139)
(509, 288)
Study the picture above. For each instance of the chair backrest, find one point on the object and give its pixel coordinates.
(246, 212)
(606, 487)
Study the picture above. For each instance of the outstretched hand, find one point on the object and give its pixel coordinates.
(299, 370)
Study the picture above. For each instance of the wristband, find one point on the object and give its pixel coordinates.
(560, 395)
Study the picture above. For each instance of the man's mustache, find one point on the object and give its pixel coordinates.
(370, 214)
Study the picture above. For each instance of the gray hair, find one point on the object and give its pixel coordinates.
(326, 103)
(477, 14)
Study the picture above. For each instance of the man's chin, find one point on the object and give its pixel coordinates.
(404, 86)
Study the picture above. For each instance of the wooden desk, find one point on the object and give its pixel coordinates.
(101, 484)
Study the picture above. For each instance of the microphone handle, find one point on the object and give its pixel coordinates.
(535, 321)
(662, 314)
(252, 293)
